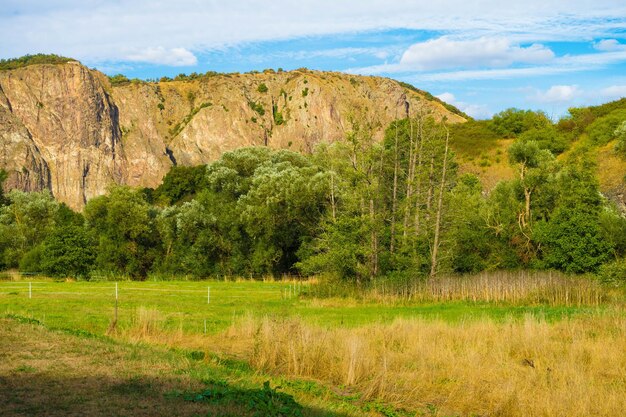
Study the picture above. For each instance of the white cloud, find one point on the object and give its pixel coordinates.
(609, 45)
(613, 92)
(447, 97)
(341, 53)
(98, 31)
(445, 52)
(477, 111)
(175, 57)
(559, 94)
(559, 65)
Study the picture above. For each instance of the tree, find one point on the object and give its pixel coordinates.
(533, 164)
(546, 137)
(69, 251)
(512, 122)
(572, 239)
(24, 223)
(123, 223)
(357, 212)
(181, 184)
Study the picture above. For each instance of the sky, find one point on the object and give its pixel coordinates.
(483, 56)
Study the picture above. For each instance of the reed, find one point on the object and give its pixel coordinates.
(512, 287)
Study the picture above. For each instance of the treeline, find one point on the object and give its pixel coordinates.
(355, 209)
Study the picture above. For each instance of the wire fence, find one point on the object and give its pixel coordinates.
(286, 291)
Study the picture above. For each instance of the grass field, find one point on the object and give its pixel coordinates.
(185, 305)
(401, 354)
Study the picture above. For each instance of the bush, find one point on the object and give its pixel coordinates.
(119, 79)
(613, 273)
(603, 130)
(262, 88)
(257, 107)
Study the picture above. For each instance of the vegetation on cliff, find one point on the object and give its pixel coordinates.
(36, 59)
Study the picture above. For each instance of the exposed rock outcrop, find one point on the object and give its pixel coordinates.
(66, 128)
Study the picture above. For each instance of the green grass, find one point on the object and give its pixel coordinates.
(89, 306)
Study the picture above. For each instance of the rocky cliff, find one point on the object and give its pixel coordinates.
(67, 128)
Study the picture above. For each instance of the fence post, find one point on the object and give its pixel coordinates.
(116, 297)
(30, 290)
(208, 295)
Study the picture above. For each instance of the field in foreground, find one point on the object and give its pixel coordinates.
(47, 372)
(388, 357)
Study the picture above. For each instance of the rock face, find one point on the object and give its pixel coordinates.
(66, 128)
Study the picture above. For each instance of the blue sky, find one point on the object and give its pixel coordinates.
(478, 55)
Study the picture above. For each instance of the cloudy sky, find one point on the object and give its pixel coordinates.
(479, 55)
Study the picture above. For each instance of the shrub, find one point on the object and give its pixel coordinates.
(613, 273)
(603, 129)
(257, 107)
(119, 79)
(262, 88)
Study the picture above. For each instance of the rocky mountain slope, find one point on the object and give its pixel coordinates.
(69, 129)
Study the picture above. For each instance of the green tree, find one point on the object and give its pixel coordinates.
(180, 184)
(24, 223)
(124, 224)
(512, 122)
(68, 251)
(572, 239)
(546, 138)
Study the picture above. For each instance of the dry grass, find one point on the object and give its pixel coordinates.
(518, 287)
(500, 287)
(528, 368)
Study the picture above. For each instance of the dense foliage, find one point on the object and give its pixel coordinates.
(26, 60)
(357, 209)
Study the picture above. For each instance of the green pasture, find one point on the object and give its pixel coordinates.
(186, 305)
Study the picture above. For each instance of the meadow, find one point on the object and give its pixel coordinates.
(512, 344)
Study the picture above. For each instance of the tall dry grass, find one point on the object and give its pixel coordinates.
(148, 325)
(570, 368)
(515, 287)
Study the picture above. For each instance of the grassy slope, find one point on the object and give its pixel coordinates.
(484, 154)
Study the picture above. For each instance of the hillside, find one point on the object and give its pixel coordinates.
(75, 131)
(481, 150)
